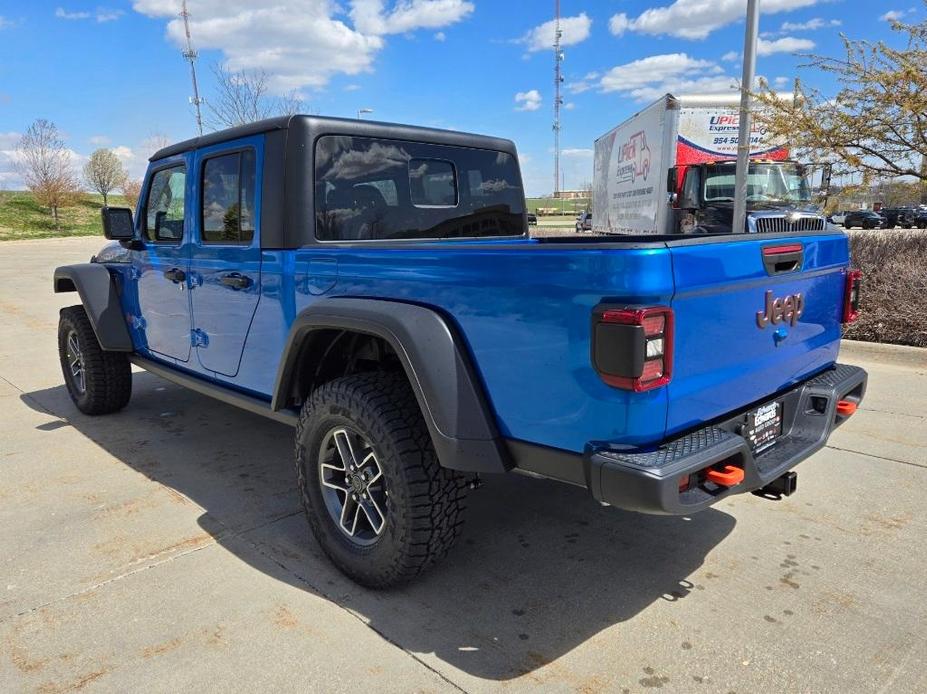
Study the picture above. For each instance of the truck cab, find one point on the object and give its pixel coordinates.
(778, 197)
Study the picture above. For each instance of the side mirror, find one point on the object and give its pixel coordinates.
(671, 180)
(117, 223)
(690, 189)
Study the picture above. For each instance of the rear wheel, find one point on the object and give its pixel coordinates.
(377, 499)
(99, 382)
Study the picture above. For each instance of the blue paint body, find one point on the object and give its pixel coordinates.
(523, 308)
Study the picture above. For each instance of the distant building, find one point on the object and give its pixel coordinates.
(573, 194)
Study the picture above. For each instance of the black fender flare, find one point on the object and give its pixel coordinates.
(436, 362)
(97, 291)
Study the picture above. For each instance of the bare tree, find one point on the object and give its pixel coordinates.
(131, 189)
(244, 97)
(45, 164)
(104, 172)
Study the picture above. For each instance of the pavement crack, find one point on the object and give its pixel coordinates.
(121, 576)
(877, 457)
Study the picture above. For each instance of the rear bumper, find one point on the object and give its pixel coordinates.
(650, 481)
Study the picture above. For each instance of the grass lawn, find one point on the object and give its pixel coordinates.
(21, 217)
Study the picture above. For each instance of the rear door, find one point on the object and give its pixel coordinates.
(739, 336)
(225, 262)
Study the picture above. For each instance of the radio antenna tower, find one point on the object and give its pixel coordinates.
(190, 55)
(558, 100)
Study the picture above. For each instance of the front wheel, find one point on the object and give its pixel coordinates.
(99, 382)
(377, 499)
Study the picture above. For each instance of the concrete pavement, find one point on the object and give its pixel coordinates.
(163, 548)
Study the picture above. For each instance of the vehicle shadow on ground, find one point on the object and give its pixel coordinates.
(540, 568)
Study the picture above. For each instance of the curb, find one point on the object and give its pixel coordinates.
(900, 355)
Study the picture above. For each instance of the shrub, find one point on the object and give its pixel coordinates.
(894, 295)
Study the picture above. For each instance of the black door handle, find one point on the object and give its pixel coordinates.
(175, 275)
(236, 281)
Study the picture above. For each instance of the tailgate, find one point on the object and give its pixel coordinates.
(724, 360)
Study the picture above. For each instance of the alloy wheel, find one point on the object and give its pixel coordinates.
(76, 361)
(353, 486)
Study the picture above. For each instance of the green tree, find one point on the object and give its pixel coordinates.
(876, 123)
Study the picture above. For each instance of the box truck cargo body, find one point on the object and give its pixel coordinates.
(641, 169)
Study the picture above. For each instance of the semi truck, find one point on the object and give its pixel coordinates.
(669, 169)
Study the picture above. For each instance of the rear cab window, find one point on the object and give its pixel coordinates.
(379, 189)
(228, 198)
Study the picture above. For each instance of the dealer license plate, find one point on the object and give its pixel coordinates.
(764, 426)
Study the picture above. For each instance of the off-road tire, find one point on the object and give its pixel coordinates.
(425, 502)
(107, 376)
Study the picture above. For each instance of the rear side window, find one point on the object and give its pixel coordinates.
(228, 198)
(164, 207)
(377, 189)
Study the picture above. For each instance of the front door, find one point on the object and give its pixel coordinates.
(225, 265)
(162, 266)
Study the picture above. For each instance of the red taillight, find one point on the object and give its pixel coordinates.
(851, 296)
(636, 361)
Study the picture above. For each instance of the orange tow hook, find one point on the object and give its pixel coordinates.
(728, 476)
(845, 408)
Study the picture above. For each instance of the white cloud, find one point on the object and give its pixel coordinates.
(102, 14)
(529, 101)
(123, 152)
(99, 140)
(618, 24)
(731, 57)
(583, 85)
(62, 13)
(810, 25)
(5, 22)
(696, 19)
(301, 43)
(577, 153)
(787, 44)
(370, 16)
(895, 15)
(440, 36)
(649, 78)
(781, 81)
(573, 30)
(352, 87)
(569, 106)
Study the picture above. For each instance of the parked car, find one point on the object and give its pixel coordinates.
(584, 222)
(867, 219)
(532, 219)
(919, 219)
(837, 217)
(898, 217)
(361, 282)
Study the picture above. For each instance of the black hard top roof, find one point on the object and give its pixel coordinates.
(322, 125)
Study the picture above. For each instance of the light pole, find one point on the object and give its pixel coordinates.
(743, 138)
(362, 111)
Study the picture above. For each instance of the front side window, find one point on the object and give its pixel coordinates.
(164, 211)
(228, 198)
(377, 189)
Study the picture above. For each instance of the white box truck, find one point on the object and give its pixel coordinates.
(669, 169)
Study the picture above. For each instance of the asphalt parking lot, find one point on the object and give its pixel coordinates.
(163, 549)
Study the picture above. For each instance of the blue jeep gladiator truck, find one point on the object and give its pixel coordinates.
(374, 285)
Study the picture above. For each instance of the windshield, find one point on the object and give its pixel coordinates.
(781, 182)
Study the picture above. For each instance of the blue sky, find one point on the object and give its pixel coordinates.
(110, 73)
